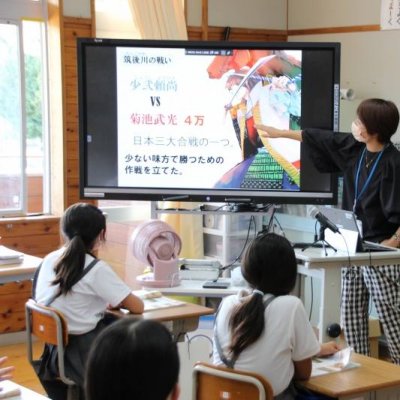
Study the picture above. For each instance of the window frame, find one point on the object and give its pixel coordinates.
(16, 13)
(22, 122)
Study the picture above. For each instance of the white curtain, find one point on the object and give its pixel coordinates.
(165, 19)
(159, 19)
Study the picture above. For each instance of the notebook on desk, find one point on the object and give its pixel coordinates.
(338, 362)
(154, 300)
(9, 256)
(350, 228)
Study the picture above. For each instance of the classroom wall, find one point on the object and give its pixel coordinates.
(255, 14)
(369, 65)
(77, 8)
(370, 60)
(306, 14)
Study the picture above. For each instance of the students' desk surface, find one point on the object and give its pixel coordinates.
(372, 376)
(193, 287)
(187, 310)
(21, 271)
(26, 394)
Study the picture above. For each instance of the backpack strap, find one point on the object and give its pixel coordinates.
(52, 298)
(230, 362)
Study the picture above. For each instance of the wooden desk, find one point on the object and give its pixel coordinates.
(180, 319)
(19, 272)
(374, 379)
(26, 394)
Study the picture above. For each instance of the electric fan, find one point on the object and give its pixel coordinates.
(156, 243)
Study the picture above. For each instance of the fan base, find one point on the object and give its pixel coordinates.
(149, 281)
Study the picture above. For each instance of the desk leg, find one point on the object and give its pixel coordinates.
(330, 293)
(180, 327)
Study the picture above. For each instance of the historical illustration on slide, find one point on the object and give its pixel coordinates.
(266, 88)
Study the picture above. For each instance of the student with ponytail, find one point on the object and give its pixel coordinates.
(82, 287)
(266, 330)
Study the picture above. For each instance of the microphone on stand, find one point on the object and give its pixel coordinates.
(324, 221)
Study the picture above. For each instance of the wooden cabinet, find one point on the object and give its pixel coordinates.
(36, 236)
(32, 235)
(13, 297)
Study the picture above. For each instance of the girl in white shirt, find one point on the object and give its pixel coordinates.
(275, 340)
(74, 282)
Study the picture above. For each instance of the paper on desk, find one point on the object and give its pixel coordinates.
(6, 253)
(147, 294)
(154, 300)
(8, 389)
(339, 361)
(9, 256)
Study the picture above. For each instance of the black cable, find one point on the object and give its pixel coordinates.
(347, 248)
(251, 221)
(280, 226)
(312, 298)
(349, 271)
(227, 33)
(271, 219)
(315, 231)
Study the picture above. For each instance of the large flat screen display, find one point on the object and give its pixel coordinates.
(175, 120)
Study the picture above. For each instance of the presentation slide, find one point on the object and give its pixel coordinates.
(186, 118)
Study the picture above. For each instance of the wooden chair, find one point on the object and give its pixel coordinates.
(212, 382)
(49, 326)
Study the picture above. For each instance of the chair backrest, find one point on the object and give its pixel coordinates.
(211, 382)
(49, 326)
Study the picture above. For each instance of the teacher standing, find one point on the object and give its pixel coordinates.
(370, 165)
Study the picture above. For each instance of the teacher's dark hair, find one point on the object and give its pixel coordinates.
(269, 264)
(380, 117)
(80, 225)
(132, 360)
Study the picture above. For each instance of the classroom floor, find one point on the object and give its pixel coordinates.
(23, 374)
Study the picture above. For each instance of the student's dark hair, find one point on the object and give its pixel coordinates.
(132, 359)
(269, 265)
(379, 117)
(80, 225)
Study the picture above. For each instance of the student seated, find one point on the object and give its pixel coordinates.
(267, 330)
(72, 280)
(133, 360)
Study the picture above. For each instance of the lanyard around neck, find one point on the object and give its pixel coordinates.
(357, 195)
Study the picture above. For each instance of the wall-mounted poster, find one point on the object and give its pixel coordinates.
(390, 14)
